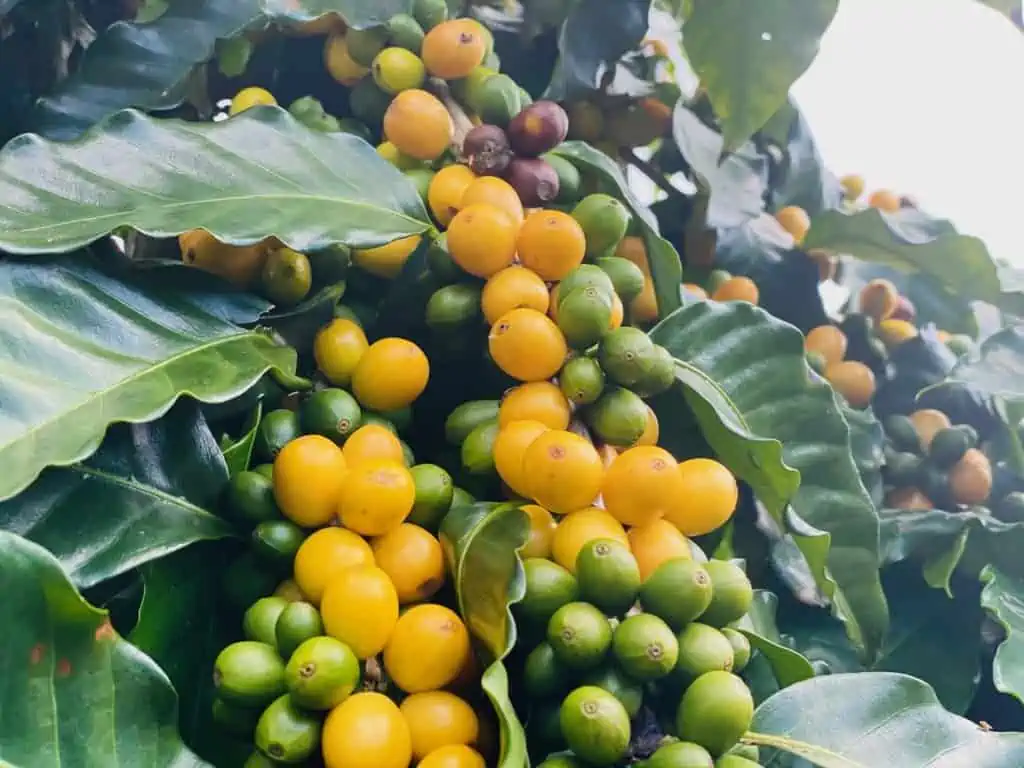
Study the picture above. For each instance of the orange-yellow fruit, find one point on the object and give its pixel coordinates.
(710, 495)
(853, 186)
(438, 719)
(527, 345)
(338, 348)
(427, 649)
(563, 471)
(584, 525)
(642, 485)
(695, 291)
(323, 555)
(894, 332)
(632, 247)
(391, 374)
(453, 48)
(372, 442)
(509, 448)
(737, 288)
(240, 265)
(656, 543)
(309, 473)
(551, 243)
(535, 401)
(652, 431)
(927, 422)
(376, 498)
(879, 299)
(250, 97)
(482, 239)
(907, 498)
(828, 341)
(644, 308)
(418, 124)
(512, 288)
(360, 608)
(970, 479)
(453, 756)
(884, 200)
(386, 260)
(542, 532)
(340, 64)
(618, 313)
(491, 190)
(412, 558)
(366, 730)
(444, 195)
(853, 380)
(794, 220)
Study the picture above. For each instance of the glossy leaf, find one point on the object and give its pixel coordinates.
(148, 65)
(481, 543)
(770, 45)
(74, 693)
(147, 492)
(260, 173)
(912, 242)
(802, 178)
(1003, 598)
(759, 625)
(875, 718)
(239, 452)
(998, 366)
(183, 624)
(83, 350)
(592, 39)
(759, 400)
(662, 257)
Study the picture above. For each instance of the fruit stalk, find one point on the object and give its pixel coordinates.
(460, 120)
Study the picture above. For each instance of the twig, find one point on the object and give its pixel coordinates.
(653, 174)
(460, 119)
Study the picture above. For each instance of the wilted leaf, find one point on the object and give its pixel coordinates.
(481, 543)
(869, 719)
(145, 493)
(759, 390)
(83, 350)
(260, 173)
(770, 44)
(662, 258)
(913, 242)
(74, 693)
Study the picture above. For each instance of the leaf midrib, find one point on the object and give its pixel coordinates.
(305, 198)
(126, 381)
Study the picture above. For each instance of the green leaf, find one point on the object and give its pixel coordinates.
(662, 257)
(183, 624)
(594, 36)
(148, 65)
(1003, 598)
(73, 692)
(83, 350)
(912, 242)
(781, 430)
(869, 719)
(481, 543)
(997, 366)
(760, 627)
(143, 495)
(260, 173)
(802, 178)
(238, 454)
(1009, 8)
(770, 44)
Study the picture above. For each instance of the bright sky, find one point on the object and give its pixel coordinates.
(925, 97)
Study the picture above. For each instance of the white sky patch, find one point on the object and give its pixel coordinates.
(925, 97)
